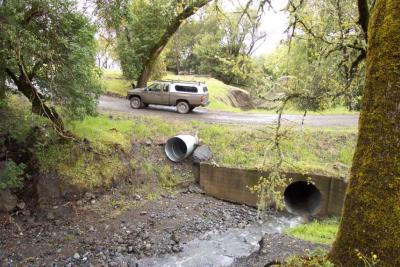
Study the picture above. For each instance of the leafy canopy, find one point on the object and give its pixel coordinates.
(219, 42)
(147, 21)
(52, 44)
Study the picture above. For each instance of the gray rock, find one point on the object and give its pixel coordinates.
(50, 216)
(21, 205)
(202, 153)
(177, 248)
(89, 196)
(77, 256)
(137, 197)
(121, 249)
(175, 237)
(26, 213)
(193, 188)
(8, 201)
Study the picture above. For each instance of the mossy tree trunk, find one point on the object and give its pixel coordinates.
(371, 214)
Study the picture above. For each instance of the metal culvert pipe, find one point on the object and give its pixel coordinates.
(302, 198)
(180, 147)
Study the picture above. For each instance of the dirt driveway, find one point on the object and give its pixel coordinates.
(108, 103)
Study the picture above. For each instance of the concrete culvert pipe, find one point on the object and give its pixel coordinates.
(180, 147)
(302, 198)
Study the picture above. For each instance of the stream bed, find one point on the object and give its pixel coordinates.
(217, 248)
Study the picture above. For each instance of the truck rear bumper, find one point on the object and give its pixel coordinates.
(205, 104)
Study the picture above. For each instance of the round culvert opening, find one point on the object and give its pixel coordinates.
(302, 198)
(176, 149)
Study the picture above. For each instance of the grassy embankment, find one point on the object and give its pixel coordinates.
(107, 156)
(327, 151)
(114, 83)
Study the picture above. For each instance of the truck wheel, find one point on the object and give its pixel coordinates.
(136, 102)
(183, 107)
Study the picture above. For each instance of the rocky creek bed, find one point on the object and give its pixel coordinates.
(185, 229)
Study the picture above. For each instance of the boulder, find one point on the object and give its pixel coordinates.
(202, 153)
(8, 201)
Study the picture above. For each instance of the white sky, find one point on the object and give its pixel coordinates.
(274, 23)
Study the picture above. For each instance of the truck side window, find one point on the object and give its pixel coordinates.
(155, 87)
(185, 88)
(166, 88)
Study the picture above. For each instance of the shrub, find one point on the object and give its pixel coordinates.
(11, 175)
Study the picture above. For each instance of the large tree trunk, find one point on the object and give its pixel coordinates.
(177, 54)
(40, 108)
(371, 214)
(159, 46)
(25, 86)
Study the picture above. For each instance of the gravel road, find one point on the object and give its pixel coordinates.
(108, 103)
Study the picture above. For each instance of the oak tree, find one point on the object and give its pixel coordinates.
(371, 214)
(47, 53)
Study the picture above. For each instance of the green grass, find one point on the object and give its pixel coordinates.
(113, 82)
(322, 232)
(328, 151)
(311, 150)
(103, 131)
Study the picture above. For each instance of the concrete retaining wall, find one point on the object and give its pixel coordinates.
(233, 184)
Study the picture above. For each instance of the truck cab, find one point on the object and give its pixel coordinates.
(183, 94)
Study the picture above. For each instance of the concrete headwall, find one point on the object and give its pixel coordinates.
(233, 185)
